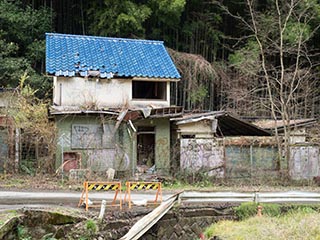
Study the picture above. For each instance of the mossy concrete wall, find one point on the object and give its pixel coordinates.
(107, 153)
(119, 152)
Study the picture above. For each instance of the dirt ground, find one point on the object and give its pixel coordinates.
(51, 182)
(38, 182)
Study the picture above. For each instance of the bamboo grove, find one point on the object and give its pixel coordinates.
(253, 58)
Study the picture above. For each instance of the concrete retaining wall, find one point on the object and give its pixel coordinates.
(188, 222)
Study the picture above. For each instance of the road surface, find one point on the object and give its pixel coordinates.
(14, 199)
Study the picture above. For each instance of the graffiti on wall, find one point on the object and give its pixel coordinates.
(86, 136)
(202, 155)
(64, 140)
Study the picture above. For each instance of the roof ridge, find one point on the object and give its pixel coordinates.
(105, 38)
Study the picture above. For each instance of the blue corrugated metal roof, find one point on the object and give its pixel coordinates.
(69, 55)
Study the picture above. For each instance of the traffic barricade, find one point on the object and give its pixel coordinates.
(132, 186)
(101, 186)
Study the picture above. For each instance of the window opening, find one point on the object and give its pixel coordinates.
(149, 90)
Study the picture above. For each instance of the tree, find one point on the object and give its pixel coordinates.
(22, 44)
(196, 90)
(277, 52)
(118, 18)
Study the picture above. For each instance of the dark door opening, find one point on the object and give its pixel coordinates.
(146, 147)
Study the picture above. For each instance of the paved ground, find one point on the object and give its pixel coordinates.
(17, 199)
(14, 199)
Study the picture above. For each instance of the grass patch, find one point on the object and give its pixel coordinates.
(91, 226)
(296, 224)
(249, 209)
(4, 216)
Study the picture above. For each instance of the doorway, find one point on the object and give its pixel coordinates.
(146, 147)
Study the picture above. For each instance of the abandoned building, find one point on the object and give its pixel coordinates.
(111, 106)
(304, 145)
(221, 145)
(111, 102)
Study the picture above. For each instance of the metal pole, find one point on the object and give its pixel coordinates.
(251, 160)
(17, 149)
(62, 143)
(134, 136)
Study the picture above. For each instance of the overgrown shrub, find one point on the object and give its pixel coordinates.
(306, 208)
(37, 134)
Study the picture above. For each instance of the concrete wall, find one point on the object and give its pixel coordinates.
(188, 222)
(97, 157)
(305, 161)
(298, 136)
(115, 93)
(249, 161)
(205, 155)
(182, 222)
(201, 129)
(229, 157)
(98, 154)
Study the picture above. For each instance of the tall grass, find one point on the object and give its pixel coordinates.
(299, 224)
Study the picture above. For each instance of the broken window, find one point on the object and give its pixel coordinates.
(92, 136)
(149, 90)
(86, 136)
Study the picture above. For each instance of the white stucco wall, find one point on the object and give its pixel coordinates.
(201, 129)
(203, 155)
(298, 136)
(114, 93)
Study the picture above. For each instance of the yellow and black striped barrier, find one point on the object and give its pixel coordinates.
(131, 186)
(100, 186)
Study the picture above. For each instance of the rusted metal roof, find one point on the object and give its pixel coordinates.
(272, 124)
(228, 125)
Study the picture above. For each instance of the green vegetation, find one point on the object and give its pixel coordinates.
(6, 215)
(218, 50)
(23, 233)
(249, 209)
(252, 58)
(48, 236)
(300, 222)
(91, 227)
(30, 113)
(22, 44)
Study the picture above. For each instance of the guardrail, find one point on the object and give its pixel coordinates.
(258, 197)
